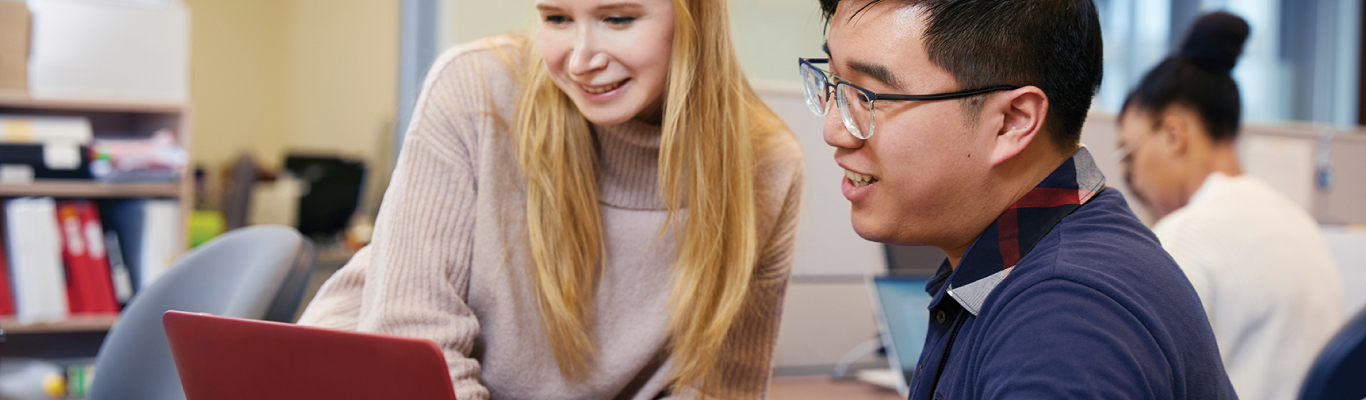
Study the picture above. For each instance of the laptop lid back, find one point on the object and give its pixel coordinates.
(903, 320)
(222, 358)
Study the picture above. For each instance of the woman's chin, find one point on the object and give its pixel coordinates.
(607, 116)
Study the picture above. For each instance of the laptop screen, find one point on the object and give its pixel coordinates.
(903, 319)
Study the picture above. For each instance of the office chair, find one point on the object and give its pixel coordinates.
(256, 272)
(236, 203)
(1338, 371)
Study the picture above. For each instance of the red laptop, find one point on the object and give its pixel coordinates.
(232, 358)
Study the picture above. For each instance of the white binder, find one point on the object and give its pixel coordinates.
(35, 250)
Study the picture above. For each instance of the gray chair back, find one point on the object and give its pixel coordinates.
(257, 272)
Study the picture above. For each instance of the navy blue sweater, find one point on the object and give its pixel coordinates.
(1094, 309)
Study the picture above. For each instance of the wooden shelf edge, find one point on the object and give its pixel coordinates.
(13, 100)
(75, 323)
(89, 189)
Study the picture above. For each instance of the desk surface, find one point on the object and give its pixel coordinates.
(822, 387)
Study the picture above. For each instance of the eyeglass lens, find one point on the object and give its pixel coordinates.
(858, 116)
(858, 119)
(814, 87)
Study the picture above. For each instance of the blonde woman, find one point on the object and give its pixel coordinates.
(603, 211)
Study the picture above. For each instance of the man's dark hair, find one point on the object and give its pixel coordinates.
(1198, 76)
(1052, 44)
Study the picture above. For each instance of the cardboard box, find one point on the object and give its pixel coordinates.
(15, 23)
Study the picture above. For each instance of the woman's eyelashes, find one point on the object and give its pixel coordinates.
(615, 21)
(619, 21)
(554, 19)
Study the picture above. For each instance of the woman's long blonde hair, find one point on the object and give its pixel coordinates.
(712, 123)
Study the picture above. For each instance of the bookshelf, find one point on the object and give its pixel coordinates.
(19, 100)
(89, 189)
(110, 119)
(76, 323)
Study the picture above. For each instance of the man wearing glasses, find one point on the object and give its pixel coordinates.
(957, 123)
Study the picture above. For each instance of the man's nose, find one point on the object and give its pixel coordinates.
(834, 131)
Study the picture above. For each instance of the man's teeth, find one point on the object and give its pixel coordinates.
(603, 89)
(859, 179)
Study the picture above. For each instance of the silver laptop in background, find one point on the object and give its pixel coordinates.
(903, 320)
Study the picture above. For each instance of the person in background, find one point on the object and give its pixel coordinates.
(1261, 266)
(604, 210)
(958, 124)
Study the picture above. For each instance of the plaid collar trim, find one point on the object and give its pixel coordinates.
(1014, 234)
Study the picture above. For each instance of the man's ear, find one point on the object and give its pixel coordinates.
(1022, 116)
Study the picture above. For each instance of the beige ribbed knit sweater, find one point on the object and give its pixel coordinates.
(449, 256)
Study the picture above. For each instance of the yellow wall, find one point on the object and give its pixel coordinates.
(769, 34)
(271, 76)
(466, 20)
(343, 75)
(238, 59)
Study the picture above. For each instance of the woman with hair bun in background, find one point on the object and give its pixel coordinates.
(1258, 261)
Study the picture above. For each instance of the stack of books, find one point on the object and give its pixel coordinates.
(44, 147)
(65, 148)
(61, 258)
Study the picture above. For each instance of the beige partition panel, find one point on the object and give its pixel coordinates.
(1291, 157)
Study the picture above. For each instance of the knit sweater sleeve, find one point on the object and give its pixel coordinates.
(416, 280)
(746, 360)
(337, 303)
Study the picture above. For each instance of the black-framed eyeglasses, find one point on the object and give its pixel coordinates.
(1125, 153)
(817, 88)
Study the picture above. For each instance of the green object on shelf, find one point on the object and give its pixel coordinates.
(78, 378)
(205, 225)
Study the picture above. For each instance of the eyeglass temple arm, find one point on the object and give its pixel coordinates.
(945, 96)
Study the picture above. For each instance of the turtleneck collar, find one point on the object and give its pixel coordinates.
(629, 177)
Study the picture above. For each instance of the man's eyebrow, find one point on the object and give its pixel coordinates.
(876, 71)
(826, 46)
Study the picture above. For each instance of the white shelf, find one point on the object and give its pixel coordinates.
(11, 100)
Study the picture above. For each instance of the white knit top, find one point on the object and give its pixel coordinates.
(1265, 277)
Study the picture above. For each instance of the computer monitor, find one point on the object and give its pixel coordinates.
(331, 195)
(903, 319)
(914, 260)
